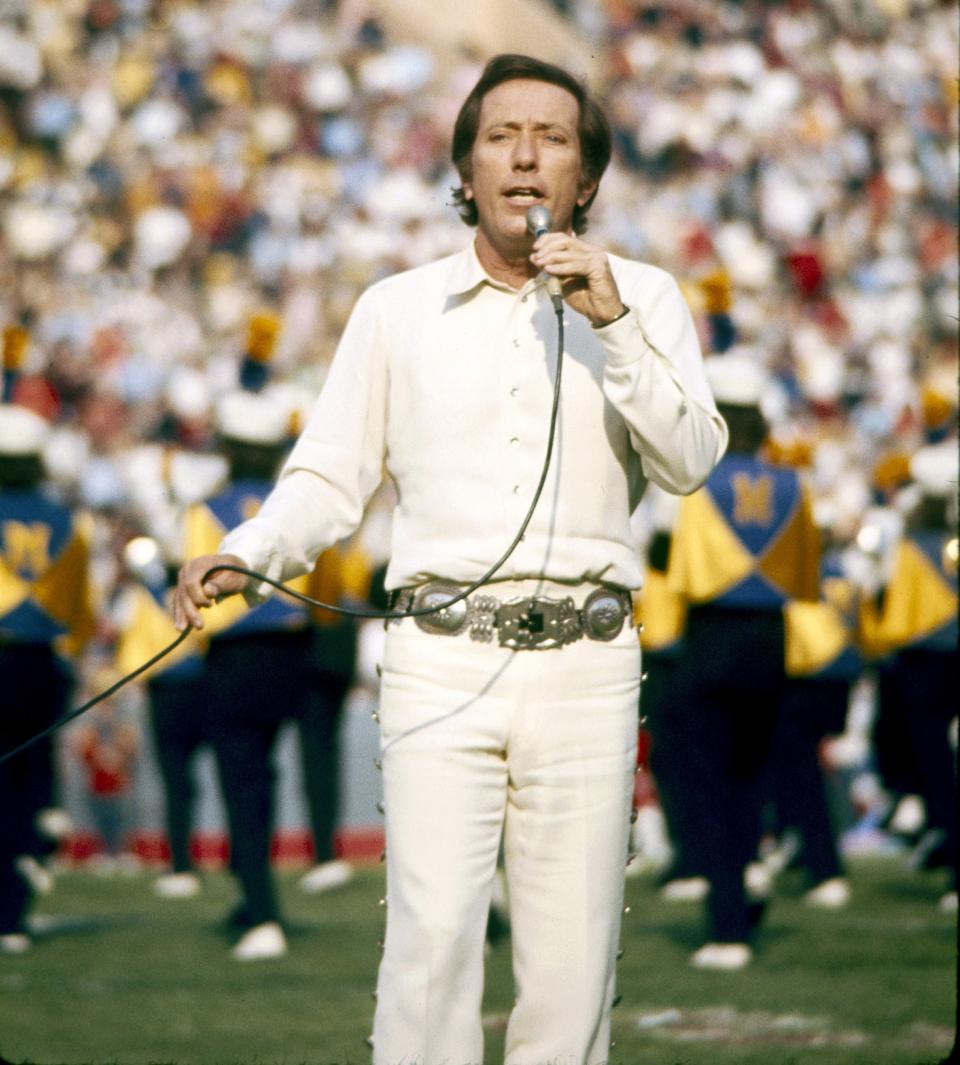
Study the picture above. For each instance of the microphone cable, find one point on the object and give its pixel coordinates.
(355, 612)
(66, 718)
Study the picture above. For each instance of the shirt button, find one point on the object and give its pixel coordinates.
(514, 440)
(514, 391)
(516, 489)
(516, 343)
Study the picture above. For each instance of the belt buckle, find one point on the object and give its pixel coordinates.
(536, 622)
(604, 613)
(448, 621)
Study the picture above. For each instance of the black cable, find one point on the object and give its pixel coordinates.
(65, 719)
(356, 612)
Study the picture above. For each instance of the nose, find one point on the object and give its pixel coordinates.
(524, 152)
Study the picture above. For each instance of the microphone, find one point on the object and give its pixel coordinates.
(540, 221)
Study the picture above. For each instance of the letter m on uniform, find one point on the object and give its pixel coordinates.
(752, 499)
(26, 548)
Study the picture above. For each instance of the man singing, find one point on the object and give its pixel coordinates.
(514, 713)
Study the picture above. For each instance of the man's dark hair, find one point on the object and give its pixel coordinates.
(249, 461)
(21, 471)
(931, 513)
(593, 129)
(747, 425)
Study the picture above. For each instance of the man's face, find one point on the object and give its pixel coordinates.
(527, 152)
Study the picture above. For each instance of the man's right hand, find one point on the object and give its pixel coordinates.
(193, 594)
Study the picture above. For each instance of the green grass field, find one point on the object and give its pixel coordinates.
(122, 977)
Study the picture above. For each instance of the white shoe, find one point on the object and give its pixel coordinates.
(325, 876)
(177, 886)
(909, 816)
(14, 943)
(758, 881)
(35, 874)
(726, 956)
(54, 823)
(832, 894)
(690, 889)
(263, 941)
(650, 841)
(948, 902)
(782, 854)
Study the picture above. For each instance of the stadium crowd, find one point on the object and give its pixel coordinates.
(179, 179)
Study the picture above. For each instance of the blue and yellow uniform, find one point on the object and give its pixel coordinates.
(44, 586)
(257, 681)
(746, 540)
(911, 630)
(46, 616)
(269, 664)
(744, 546)
(918, 608)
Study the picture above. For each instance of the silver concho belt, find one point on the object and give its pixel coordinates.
(526, 623)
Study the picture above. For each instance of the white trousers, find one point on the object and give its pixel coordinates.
(478, 740)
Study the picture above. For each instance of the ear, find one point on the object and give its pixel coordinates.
(587, 189)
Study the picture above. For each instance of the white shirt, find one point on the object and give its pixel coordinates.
(444, 378)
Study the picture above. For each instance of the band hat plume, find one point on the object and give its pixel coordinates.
(15, 342)
(263, 330)
(936, 469)
(22, 431)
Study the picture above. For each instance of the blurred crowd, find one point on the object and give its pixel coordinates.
(174, 173)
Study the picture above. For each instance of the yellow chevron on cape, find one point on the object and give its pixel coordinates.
(151, 629)
(203, 533)
(917, 602)
(792, 561)
(341, 572)
(64, 592)
(706, 557)
(13, 589)
(815, 636)
(661, 611)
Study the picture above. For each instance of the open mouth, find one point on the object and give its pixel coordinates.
(524, 195)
